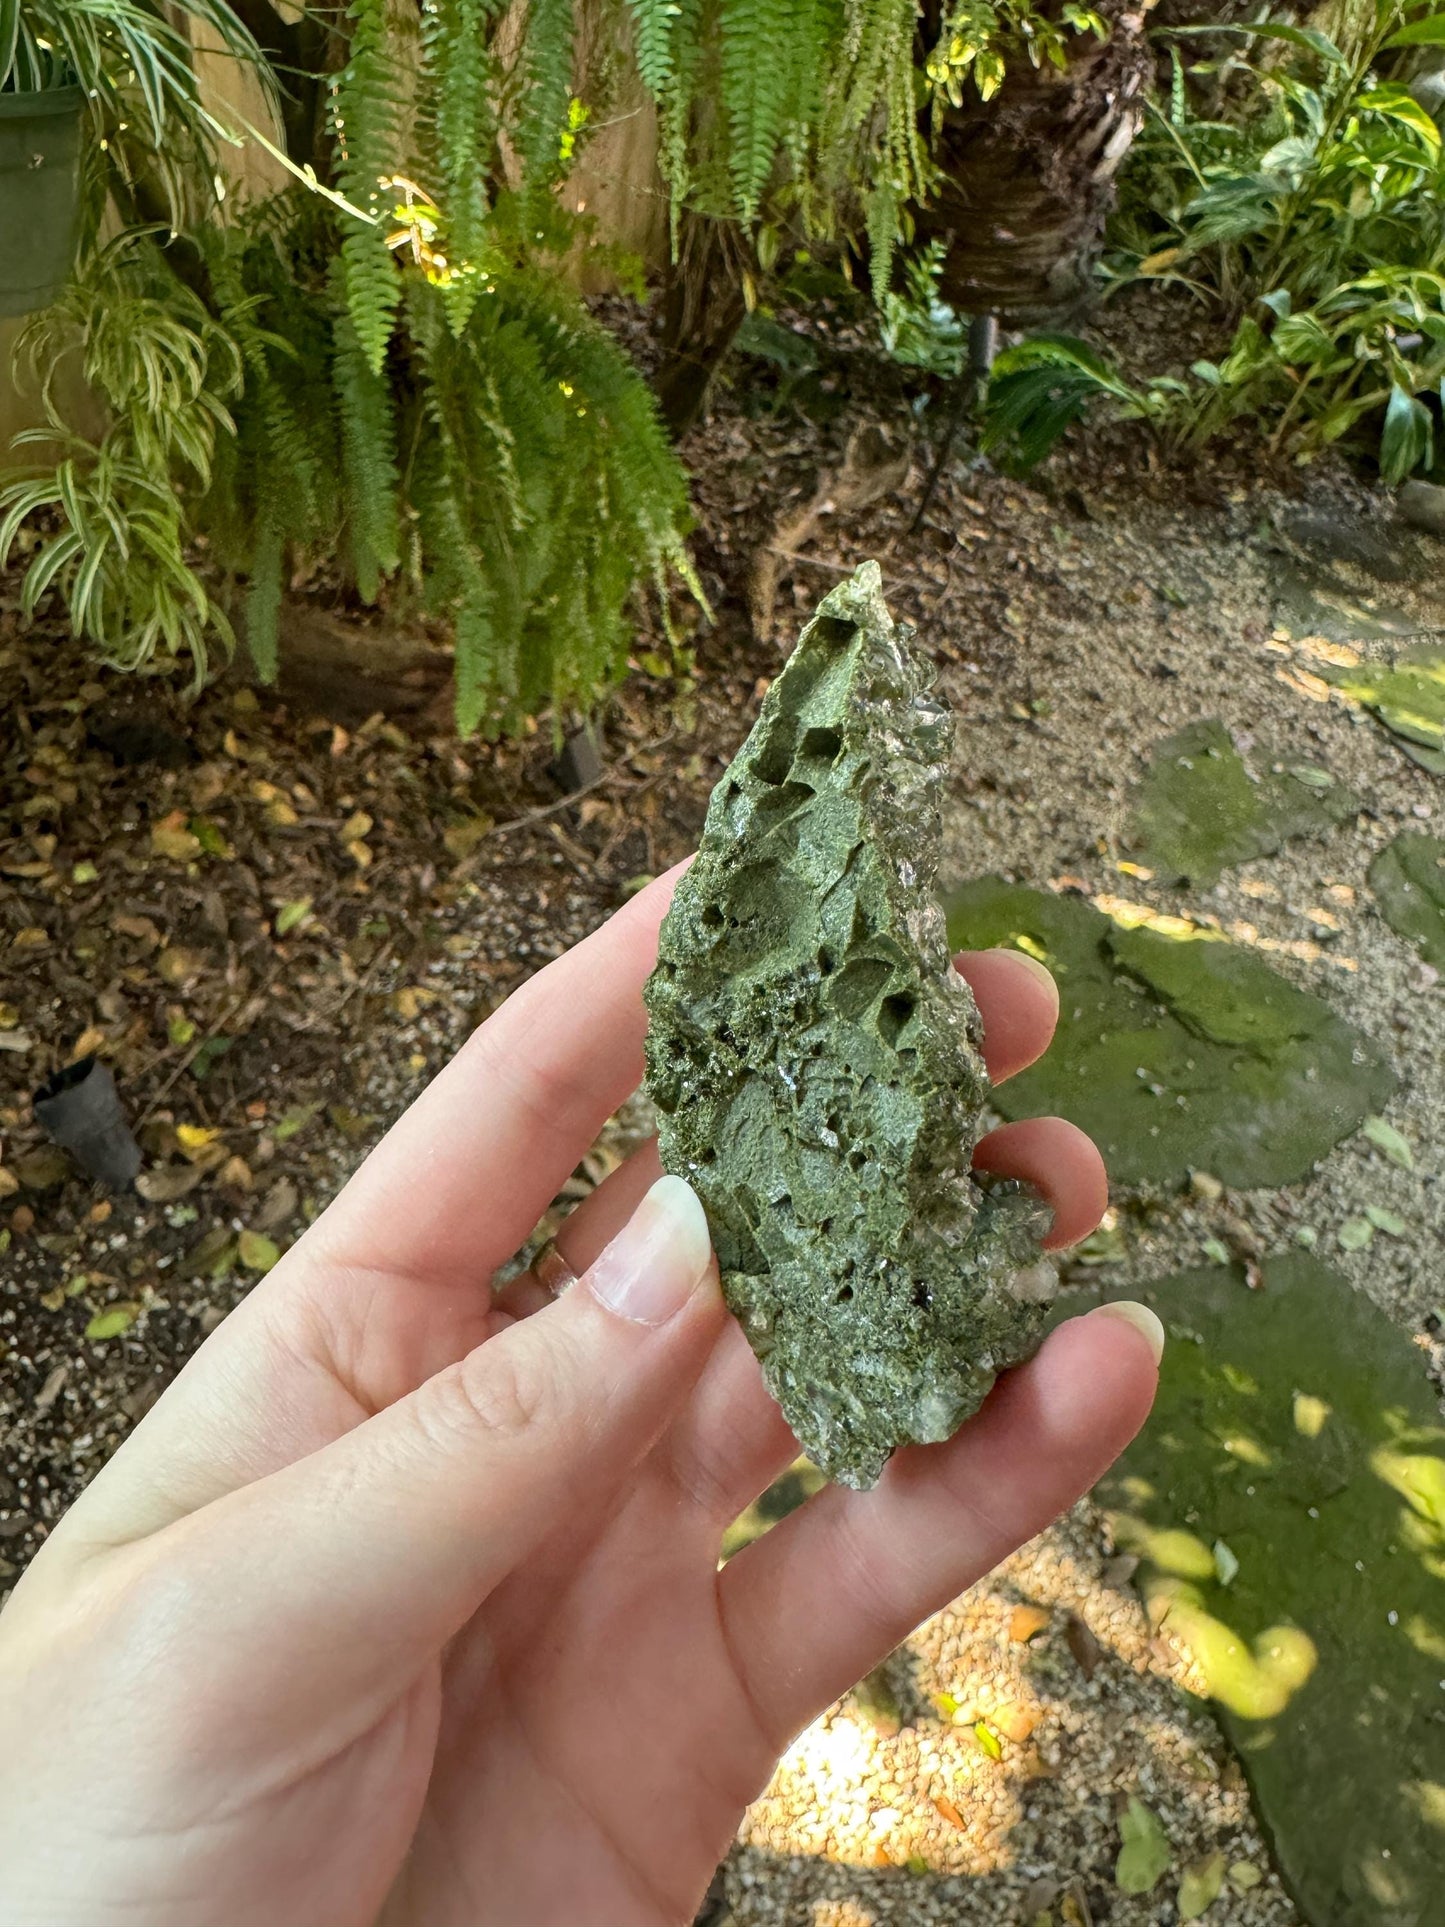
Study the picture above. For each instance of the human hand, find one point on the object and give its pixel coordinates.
(402, 1605)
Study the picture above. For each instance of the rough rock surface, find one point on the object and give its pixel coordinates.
(814, 1060)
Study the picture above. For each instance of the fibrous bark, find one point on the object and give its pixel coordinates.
(1027, 178)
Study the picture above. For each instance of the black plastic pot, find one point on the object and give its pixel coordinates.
(39, 195)
(80, 1108)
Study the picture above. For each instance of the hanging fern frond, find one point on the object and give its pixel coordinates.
(546, 90)
(367, 117)
(754, 92)
(461, 85)
(368, 453)
(263, 600)
(653, 25)
(871, 102)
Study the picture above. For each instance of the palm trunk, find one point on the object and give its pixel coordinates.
(1028, 177)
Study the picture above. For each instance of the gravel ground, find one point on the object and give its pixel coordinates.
(1128, 607)
(1082, 1705)
(1132, 611)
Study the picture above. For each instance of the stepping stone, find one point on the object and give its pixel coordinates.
(1408, 877)
(1176, 1050)
(1287, 1499)
(1198, 811)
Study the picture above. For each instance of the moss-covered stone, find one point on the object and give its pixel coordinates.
(1408, 877)
(814, 1060)
(1198, 811)
(1287, 1498)
(1177, 1050)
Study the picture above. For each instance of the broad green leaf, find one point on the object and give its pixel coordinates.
(1144, 1854)
(988, 1739)
(1429, 32)
(9, 35)
(1407, 437)
(296, 1119)
(1356, 1233)
(1302, 341)
(1199, 1889)
(1390, 1141)
(1307, 37)
(1399, 105)
(111, 1322)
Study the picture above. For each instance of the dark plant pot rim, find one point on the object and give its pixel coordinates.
(48, 102)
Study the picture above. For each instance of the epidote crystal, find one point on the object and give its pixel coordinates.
(814, 1059)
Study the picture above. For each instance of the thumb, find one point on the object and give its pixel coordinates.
(375, 1550)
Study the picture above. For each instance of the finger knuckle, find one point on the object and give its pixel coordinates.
(504, 1392)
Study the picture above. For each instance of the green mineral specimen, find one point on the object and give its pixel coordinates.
(814, 1060)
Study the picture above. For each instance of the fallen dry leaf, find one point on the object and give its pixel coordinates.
(171, 838)
(1026, 1622)
(179, 966)
(172, 1181)
(52, 1388)
(1082, 1644)
(42, 1169)
(140, 927)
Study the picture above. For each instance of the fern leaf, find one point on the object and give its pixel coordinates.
(547, 88)
(368, 449)
(653, 23)
(476, 654)
(754, 92)
(462, 78)
(367, 116)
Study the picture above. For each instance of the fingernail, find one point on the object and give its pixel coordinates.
(1144, 1321)
(659, 1258)
(1039, 970)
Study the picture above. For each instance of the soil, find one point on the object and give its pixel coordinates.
(275, 921)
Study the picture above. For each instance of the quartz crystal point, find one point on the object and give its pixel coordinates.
(814, 1059)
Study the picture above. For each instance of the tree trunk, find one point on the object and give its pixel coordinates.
(1028, 177)
(703, 308)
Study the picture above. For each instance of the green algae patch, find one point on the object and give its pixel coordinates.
(1287, 1499)
(1176, 1052)
(1198, 811)
(1408, 878)
(814, 1059)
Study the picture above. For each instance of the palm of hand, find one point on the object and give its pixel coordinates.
(403, 1605)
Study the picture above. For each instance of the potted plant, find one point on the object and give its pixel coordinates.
(108, 82)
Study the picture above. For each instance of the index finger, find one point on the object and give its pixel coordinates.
(460, 1181)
